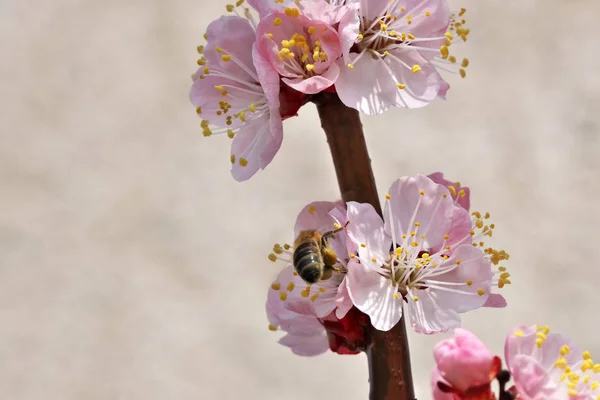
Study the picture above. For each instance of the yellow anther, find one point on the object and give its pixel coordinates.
(387, 196)
(401, 9)
(396, 296)
(417, 224)
(243, 162)
(462, 12)
(200, 62)
(461, 193)
(219, 88)
(415, 68)
(230, 134)
(311, 29)
(310, 67)
(277, 21)
(277, 249)
(219, 50)
(427, 13)
(446, 237)
(386, 53)
(199, 110)
(304, 57)
(270, 35)
(336, 225)
(232, 158)
(465, 63)
(452, 190)
(363, 245)
(290, 286)
(373, 260)
(286, 246)
(272, 328)
(539, 342)
(519, 333)
(312, 210)
(352, 256)
(411, 36)
(458, 262)
(226, 57)
(292, 12)
(350, 66)
(422, 192)
(469, 282)
(314, 297)
(322, 290)
(586, 355)
(276, 286)
(272, 256)
(206, 70)
(480, 292)
(452, 59)
(401, 86)
(305, 292)
(283, 296)
(462, 73)
(594, 385)
(479, 224)
(290, 56)
(229, 7)
(449, 35)
(444, 52)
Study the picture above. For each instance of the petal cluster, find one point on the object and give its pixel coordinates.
(267, 59)
(543, 366)
(426, 253)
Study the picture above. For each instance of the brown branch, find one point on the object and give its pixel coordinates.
(390, 374)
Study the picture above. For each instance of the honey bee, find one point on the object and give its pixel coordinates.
(313, 259)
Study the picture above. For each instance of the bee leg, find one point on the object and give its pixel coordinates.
(326, 235)
(339, 269)
(329, 256)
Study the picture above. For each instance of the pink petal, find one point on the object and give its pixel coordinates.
(495, 300)
(532, 380)
(307, 345)
(316, 83)
(265, 7)
(368, 87)
(522, 341)
(372, 294)
(473, 267)
(268, 78)
(427, 314)
(464, 361)
(235, 36)
(434, 210)
(464, 202)
(257, 141)
(366, 227)
(421, 87)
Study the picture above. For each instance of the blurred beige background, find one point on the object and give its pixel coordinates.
(132, 266)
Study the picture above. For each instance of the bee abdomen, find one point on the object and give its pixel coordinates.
(308, 261)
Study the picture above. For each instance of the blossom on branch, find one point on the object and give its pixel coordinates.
(325, 306)
(427, 252)
(543, 366)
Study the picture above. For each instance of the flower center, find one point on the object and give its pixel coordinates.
(302, 55)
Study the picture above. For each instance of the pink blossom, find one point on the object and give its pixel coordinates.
(392, 50)
(547, 365)
(237, 91)
(301, 49)
(233, 96)
(464, 362)
(326, 304)
(433, 264)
